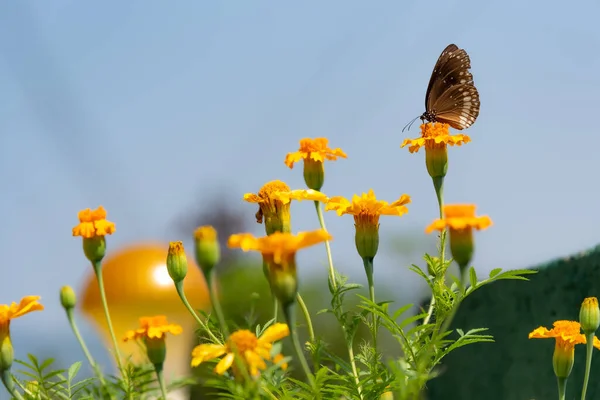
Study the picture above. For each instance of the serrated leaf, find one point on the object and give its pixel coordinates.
(495, 272)
(473, 277)
(401, 311)
(73, 370)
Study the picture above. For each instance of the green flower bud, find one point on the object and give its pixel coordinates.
(208, 249)
(67, 297)
(177, 262)
(589, 315)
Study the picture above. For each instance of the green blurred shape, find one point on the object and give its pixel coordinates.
(515, 367)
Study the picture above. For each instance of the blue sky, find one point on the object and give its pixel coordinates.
(148, 107)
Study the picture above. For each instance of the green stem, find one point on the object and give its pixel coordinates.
(562, 388)
(161, 380)
(88, 355)
(214, 299)
(186, 303)
(459, 296)
(98, 271)
(309, 325)
(332, 281)
(588, 362)
(275, 308)
(368, 263)
(430, 310)
(267, 391)
(333, 284)
(275, 301)
(289, 311)
(10, 385)
(438, 184)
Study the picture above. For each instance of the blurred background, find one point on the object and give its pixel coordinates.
(166, 113)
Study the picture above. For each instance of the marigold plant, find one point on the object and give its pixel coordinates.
(264, 357)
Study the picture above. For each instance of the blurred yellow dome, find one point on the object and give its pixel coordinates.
(138, 284)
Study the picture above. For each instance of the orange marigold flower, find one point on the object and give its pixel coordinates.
(93, 223)
(7, 313)
(459, 217)
(366, 210)
(274, 200)
(26, 305)
(567, 334)
(315, 150)
(280, 245)
(279, 255)
(435, 135)
(252, 350)
(153, 328)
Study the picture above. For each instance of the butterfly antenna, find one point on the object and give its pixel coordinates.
(409, 124)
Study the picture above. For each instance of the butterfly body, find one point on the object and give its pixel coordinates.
(451, 96)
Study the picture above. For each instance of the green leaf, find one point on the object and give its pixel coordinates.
(495, 272)
(473, 277)
(73, 370)
(401, 311)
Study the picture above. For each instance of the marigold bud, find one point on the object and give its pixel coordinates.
(156, 349)
(67, 297)
(366, 239)
(208, 249)
(7, 353)
(563, 359)
(589, 315)
(461, 246)
(314, 174)
(94, 248)
(177, 262)
(436, 159)
(283, 279)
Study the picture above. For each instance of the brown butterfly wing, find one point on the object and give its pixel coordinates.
(438, 69)
(458, 106)
(451, 95)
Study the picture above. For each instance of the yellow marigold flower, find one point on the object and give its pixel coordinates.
(280, 244)
(366, 210)
(435, 135)
(252, 350)
(153, 328)
(93, 223)
(314, 152)
(279, 254)
(7, 313)
(460, 219)
(314, 149)
(153, 331)
(567, 335)
(274, 200)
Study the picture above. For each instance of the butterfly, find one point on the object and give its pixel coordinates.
(451, 96)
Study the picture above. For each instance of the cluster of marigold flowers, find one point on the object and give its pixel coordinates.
(567, 335)
(278, 247)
